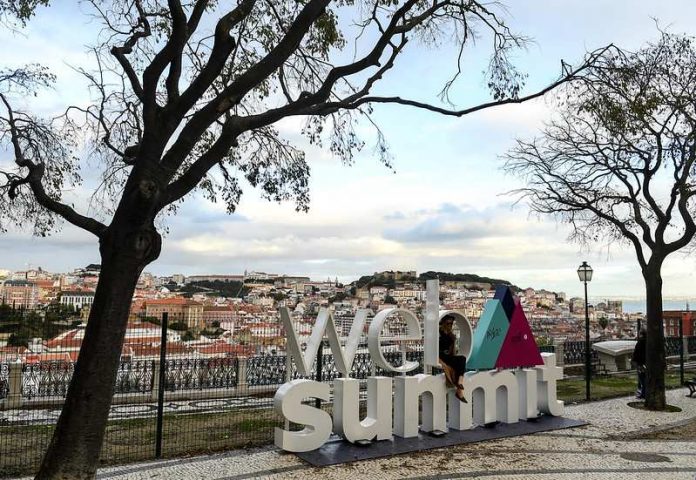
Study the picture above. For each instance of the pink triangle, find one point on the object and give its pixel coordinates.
(519, 347)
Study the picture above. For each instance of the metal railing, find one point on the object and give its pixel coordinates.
(51, 379)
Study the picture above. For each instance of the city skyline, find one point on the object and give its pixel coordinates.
(441, 209)
(635, 303)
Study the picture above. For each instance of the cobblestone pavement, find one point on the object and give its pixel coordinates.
(601, 450)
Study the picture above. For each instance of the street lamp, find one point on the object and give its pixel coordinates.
(585, 275)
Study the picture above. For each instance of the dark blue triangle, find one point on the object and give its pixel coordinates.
(504, 294)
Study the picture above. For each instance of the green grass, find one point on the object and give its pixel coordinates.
(573, 390)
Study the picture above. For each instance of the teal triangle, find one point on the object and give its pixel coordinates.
(488, 338)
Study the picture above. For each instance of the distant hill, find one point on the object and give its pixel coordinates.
(464, 277)
(371, 280)
(217, 288)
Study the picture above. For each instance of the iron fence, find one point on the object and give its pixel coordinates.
(574, 352)
(51, 379)
(266, 370)
(46, 379)
(4, 380)
(135, 377)
(673, 346)
(199, 374)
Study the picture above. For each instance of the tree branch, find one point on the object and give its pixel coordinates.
(180, 33)
(34, 180)
(127, 48)
(235, 91)
(198, 170)
(224, 45)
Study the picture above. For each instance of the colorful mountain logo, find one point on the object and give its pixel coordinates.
(503, 338)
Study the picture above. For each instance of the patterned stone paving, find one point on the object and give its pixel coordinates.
(138, 410)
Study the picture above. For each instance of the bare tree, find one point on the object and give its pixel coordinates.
(618, 165)
(186, 96)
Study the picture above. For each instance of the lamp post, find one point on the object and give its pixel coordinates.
(585, 275)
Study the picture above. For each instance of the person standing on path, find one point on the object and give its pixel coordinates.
(638, 359)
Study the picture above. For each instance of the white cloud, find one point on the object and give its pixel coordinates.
(521, 118)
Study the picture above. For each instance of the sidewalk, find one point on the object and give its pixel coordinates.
(602, 450)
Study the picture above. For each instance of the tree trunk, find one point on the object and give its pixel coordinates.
(76, 444)
(655, 342)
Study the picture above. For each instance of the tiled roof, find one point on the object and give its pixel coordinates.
(170, 301)
(139, 350)
(142, 325)
(13, 350)
(225, 348)
(48, 357)
(143, 340)
(65, 340)
(72, 339)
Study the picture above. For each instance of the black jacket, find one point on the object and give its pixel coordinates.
(639, 352)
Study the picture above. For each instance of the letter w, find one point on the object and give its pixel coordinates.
(343, 357)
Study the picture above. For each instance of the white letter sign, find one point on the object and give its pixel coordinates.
(374, 338)
(407, 406)
(288, 403)
(324, 324)
(378, 424)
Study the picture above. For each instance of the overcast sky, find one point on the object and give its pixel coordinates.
(442, 208)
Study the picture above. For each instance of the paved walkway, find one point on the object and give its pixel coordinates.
(603, 450)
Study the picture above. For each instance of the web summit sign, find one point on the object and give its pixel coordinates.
(510, 380)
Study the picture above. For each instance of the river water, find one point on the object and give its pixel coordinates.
(636, 306)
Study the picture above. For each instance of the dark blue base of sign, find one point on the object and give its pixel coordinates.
(337, 450)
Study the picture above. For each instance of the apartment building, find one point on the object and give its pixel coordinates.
(19, 293)
(76, 299)
(179, 310)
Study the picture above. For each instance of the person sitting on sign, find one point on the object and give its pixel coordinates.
(453, 365)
